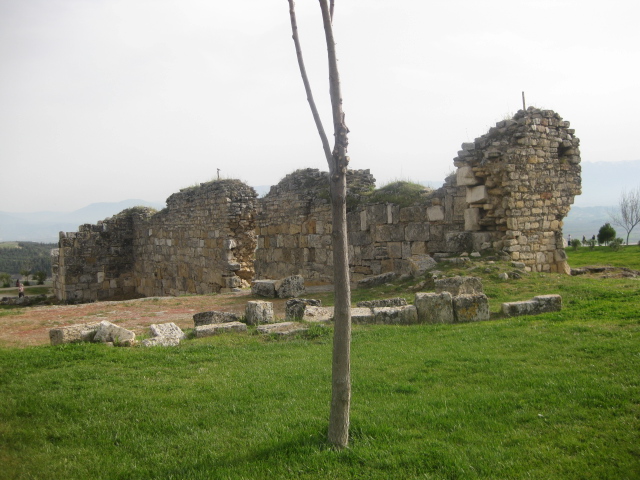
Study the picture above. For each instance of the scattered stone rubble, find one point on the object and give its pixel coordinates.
(456, 300)
(289, 287)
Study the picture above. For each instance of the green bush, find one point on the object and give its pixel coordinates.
(402, 193)
(575, 243)
(606, 234)
(616, 243)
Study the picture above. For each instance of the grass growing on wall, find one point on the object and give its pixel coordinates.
(551, 396)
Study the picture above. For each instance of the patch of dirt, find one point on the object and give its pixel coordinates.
(29, 326)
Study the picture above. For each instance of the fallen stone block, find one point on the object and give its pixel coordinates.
(419, 264)
(471, 308)
(290, 287)
(387, 302)
(264, 288)
(161, 342)
(362, 316)
(395, 315)
(169, 330)
(459, 285)
(294, 308)
(536, 306)
(109, 333)
(317, 314)
(218, 328)
(376, 280)
(213, 317)
(283, 328)
(257, 312)
(73, 333)
(434, 307)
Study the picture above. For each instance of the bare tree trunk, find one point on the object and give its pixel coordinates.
(338, 433)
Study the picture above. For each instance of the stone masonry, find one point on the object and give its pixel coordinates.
(511, 190)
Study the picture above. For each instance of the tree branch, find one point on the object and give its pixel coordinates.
(307, 86)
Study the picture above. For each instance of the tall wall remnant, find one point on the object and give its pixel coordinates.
(512, 188)
(203, 242)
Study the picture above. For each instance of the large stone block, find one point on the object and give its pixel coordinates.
(295, 307)
(419, 264)
(258, 312)
(386, 302)
(396, 315)
(539, 304)
(166, 330)
(472, 219)
(213, 317)
(466, 177)
(376, 280)
(459, 285)
(434, 307)
(471, 308)
(264, 288)
(73, 333)
(317, 314)
(108, 332)
(218, 328)
(290, 287)
(362, 315)
(282, 329)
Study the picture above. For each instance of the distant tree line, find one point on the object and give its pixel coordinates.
(29, 257)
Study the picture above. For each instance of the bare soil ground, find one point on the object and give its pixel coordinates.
(29, 326)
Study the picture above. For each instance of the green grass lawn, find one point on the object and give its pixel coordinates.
(556, 396)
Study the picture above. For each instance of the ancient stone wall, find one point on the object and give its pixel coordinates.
(96, 262)
(509, 195)
(203, 242)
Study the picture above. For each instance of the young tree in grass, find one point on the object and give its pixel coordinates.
(338, 433)
(606, 234)
(628, 214)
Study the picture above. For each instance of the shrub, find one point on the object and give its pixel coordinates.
(591, 243)
(616, 243)
(575, 243)
(606, 234)
(401, 193)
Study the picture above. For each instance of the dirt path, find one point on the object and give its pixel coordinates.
(29, 326)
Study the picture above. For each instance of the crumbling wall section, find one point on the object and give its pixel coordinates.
(520, 180)
(96, 263)
(203, 242)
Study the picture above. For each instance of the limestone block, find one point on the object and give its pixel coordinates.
(362, 316)
(214, 317)
(264, 288)
(471, 308)
(317, 314)
(161, 342)
(388, 233)
(73, 333)
(257, 312)
(396, 315)
(283, 328)
(417, 232)
(472, 219)
(435, 213)
(294, 308)
(434, 307)
(459, 285)
(376, 280)
(419, 264)
(289, 287)
(166, 330)
(549, 303)
(466, 177)
(477, 194)
(386, 302)
(108, 332)
(217, 328)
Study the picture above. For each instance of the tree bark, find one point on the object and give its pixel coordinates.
(338, 433)
(341, 364)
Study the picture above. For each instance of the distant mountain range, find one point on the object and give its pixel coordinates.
(602, 184)
(45, 226)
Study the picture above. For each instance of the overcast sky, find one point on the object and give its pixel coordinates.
(106, 100)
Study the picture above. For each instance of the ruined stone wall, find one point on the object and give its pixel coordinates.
(512, 188)
(294, 224)
(509, 195)
(520, 180)
(203, 242)
(96, 262)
